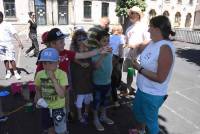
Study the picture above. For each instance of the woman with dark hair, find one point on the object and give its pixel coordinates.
(154, 73)
(32, 28)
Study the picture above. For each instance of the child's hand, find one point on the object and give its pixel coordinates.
(105, 50)
(51, 74)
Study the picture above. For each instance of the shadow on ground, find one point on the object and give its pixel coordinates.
(23, 121)
(191, 55)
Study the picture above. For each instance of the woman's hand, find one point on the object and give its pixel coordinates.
(136, 65)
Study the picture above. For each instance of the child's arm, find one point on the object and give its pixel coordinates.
(60, 90)
(98, 62)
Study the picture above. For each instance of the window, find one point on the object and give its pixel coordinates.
(188, 20)
(166, 13)
(62, 12)
(87, 9)
(9, 8)
(167, 1)
(40, 10)
(191, 2)
(152, 13)
(104, 9)
(179, 1)
(177, 19)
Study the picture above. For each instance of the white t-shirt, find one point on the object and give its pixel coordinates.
(115, 42)
(6, 32)
(135, 34)
(149, 60)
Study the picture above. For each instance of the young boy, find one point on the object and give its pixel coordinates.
(102, 81)
(50, 86)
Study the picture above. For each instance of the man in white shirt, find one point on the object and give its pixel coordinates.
(7, 52)
(137, 34)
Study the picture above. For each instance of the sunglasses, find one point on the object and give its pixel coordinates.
(133, 13)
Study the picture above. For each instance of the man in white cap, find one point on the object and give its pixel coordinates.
(137, 34)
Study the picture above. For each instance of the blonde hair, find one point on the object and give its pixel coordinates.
(117, 29)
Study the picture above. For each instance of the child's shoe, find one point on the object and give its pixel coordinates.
(3, 118)
(106, 120)
(86, 118)
(98, 125)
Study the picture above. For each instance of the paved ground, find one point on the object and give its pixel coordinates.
(179, 114)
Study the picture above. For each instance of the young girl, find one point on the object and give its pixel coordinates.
(82, 86)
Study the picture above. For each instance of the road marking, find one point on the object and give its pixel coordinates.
(187, 98)
(182, 117)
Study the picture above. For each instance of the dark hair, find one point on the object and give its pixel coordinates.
(74, 43)
(162, 22)
(30, 14)
(1, 14)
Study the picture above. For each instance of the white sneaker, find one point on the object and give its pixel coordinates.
(98, 125)
(17, 76)
(8, 75)
(106, 120)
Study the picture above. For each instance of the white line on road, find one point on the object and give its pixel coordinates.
(187, 98)
(182, 117)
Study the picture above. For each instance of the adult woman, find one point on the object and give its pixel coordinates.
(155, 69)
(32, 27)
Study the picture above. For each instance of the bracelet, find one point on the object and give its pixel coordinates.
(140, 70)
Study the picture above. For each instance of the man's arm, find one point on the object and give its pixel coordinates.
(18, 40)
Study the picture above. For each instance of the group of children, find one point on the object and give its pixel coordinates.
(85, 68)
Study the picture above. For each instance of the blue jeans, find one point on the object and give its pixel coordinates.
(145, 109)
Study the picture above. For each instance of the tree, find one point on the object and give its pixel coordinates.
(124, 5)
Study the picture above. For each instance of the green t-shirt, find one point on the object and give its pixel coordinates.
(48, 91)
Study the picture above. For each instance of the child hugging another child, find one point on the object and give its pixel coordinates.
(81, 76)
(102, 81)
(50, 85)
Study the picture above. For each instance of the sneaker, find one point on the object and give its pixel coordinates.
(98, 125)
(17, 76)
(83, 121)
(86, 118)
(106, 120)
(3, 118)
(8, 75)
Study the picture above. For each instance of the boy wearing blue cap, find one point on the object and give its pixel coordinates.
(50, 86)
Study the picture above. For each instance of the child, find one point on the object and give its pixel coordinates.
(6, 34)
(116, 42)
(102, 81)
(81, 86)
(50, 86)
(56, 39)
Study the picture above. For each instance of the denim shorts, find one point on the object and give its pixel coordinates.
(145, 110)
(54, 118)
(101, 96)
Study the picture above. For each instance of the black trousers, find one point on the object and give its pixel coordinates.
(35, 45)
(116, 75)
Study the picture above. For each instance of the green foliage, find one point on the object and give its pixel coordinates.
(124, 5)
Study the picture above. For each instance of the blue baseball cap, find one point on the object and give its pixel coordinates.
(49, 54)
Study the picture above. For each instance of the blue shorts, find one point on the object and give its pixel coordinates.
(145, 110)
(101, 96)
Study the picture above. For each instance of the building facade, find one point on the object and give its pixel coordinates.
(180, 12)
(88, 12)
(59, 12)
(197, 17)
